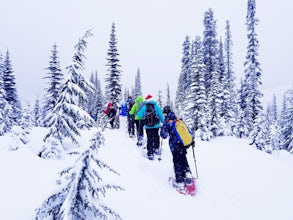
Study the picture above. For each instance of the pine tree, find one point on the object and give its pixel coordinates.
(6, 120)
(20, 132)
(196, 96)
(286, 123)
(55, 80)
(160, 99)
(82, 189)
(137, 84)
(183, 82)
(210, 47)
(113, 79)
(95, 98)
(37, 114)
(212, 77)
(67, 116)
(242, 128)
(168, 97)
(252, 81)
(10, 88)
(229, 107)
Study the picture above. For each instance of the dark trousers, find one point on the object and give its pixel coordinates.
(139, 127)
(130, 122)
(153, 140)
(180, 163)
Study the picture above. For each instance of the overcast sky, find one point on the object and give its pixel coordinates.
(150, 36)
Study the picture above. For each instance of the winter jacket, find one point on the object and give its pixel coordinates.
(159, 113)
(135, 108)
(167, 130)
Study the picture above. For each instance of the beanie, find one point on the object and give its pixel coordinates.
(148, 97)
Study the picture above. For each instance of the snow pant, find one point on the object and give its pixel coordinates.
(139, 127)
(130, 123)
(153, 140)
(112, 115)
(180, 163)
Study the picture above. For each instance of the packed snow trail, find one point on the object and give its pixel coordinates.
(236, 181)
(229, 185)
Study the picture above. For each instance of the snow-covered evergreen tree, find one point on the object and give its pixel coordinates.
(6, 120)
(67, 117)
(10, 88)
(197, 108)
(183, 82)
(270, 135)
(229, 106)
(242, 128)
(252, 94)
(96, 99)
(82, 188)
(37, 114)
(212, 77)
(286, 123)
(137, 84)
(54, 80)
(210, 47)
(20, 132)
(160, 99)
(113, 79)
(168, 97)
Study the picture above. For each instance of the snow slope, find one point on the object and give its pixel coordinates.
(236, 181)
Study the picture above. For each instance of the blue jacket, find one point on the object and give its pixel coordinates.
(167, 130)
(141, 114)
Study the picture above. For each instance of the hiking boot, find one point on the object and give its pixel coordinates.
(178, 185)
(188, 175)
(151, 157)
(188, 178)
(157, 151)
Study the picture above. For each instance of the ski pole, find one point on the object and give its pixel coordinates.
(194, 162)
(160, 150)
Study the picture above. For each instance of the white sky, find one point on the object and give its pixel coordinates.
(150, 36)
(236, 181)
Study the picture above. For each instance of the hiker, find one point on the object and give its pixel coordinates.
(179, 151)
(152, 114)
(139, 122)
(111, 112)
(130, 118)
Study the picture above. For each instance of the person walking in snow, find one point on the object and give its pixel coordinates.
(139, 122)
(130, 118)
(181, 166)
(153, 117)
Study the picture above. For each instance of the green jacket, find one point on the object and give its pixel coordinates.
(136, 106)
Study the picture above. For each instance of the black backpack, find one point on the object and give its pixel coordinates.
(151, 118)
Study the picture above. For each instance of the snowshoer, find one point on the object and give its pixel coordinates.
(139, 122)
(153, 117)
(181, 166)
(130, 118)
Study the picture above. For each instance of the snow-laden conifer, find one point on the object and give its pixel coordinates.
(9, 83)
(54, 81)
(82, 189)
(113, 78)
(183, 82)
(68, 117)
(252, 82)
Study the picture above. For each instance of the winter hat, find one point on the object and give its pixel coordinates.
(148, 97)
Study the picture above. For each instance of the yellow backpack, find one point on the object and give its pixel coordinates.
(182, 132)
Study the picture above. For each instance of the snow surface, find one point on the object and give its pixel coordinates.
(236, 181)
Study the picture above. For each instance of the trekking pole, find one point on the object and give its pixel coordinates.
(194, 162)
(159, 159)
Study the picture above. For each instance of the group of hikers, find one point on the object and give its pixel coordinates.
(145, 114)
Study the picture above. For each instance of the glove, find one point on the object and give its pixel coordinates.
(192, 144)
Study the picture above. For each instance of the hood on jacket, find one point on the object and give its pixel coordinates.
(171, 116)
(139, 99)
